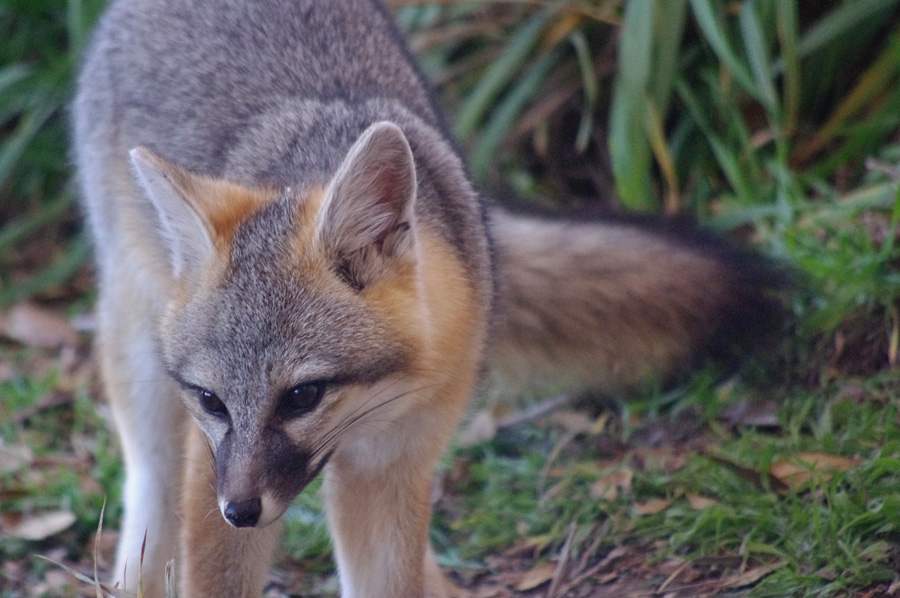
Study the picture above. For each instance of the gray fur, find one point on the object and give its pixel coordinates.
(262, 93)
(273, 94)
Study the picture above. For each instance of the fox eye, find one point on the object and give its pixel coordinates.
(302, 398)
(211, 403)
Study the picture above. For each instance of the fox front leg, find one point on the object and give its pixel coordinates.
(377, 493)
(379, 526)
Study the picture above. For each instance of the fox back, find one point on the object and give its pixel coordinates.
(268, 94)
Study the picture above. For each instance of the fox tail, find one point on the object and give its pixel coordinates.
(613, 304)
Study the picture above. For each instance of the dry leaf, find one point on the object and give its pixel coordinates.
(536, 577)
(43, 525)
(482, 428)
(759, 413)
(826, 573)
(700, 502)
(652, 506)
(609, 486)
(14, 457)
(666, 459)
(6, 371)
(796, 471)
(55, 581)
(35, 326)
(750, 475)
(527, 546)
(575, 422)
(749, 577)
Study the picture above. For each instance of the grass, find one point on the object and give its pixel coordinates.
(834, 533)
(767, 120)
(42, 45)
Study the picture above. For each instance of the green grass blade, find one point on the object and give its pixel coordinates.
(13, 74)
(14, 146)
(75, 26)
(888, 248)
(757, 51)
(788, 38)
(498, 77)
(668, 33)
(74, 256)
(591, 88)
(727, 159)
(504, 116)
(840, 22)
(17, 230)
(714, 32)
(629, 150)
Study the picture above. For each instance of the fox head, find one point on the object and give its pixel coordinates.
(294, 314)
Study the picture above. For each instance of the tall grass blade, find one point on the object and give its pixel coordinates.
(656, 135)
(839, 22)
(713, 29)
(591, 88)
(506, 113)
(788, 38)
(628, 145)
(498, 76)
(73, 258)
(14, 146)
(13, 74)
(16, 231)
(668, 33)
(725, 157)
(75, 26)
(756, 47)
(870, 86)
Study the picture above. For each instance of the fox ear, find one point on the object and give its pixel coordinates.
(183, 228)
(367, 216)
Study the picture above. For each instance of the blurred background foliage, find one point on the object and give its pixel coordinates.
(41, 250)
(773, 120)
(675, 104)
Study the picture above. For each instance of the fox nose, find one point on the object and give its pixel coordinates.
(243, 513)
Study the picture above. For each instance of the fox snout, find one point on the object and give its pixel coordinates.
(255, 511)
(243, 513)
(259, 476)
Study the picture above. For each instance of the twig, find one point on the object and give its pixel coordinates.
(538, 411)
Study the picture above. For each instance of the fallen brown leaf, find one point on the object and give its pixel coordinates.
(666, 459)
(575, 422)
(611, 484)
(795, 471)
(537, 576)
(35, 326)
(14, 457)
(759, 413)
(481, 428)
(44, 525)
(750, 577)
(50, 400)
(652, 506)
(750, 475)
(529, 546)
(699, 502)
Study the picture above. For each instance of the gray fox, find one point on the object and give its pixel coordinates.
(297, 278)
